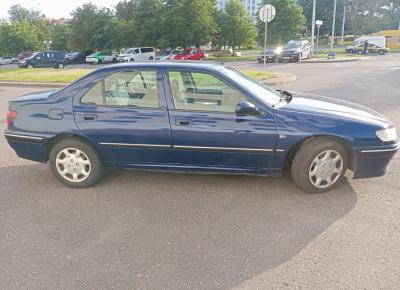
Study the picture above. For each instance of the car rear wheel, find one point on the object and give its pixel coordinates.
(319, 165)
(75, 163)
(114, 60)
(150, 58)
(131, 60)
(381, 52)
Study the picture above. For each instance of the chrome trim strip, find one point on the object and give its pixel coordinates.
(381, 150)
(223, 148)
(280, 150)
(135, 145)
(189, 147)
(23, 136)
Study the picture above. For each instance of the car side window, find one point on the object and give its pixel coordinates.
(94, 96)
(199, 91)
(125, 88)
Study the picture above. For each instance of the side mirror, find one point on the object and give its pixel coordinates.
(245, 108)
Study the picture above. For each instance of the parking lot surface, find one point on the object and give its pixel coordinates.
(147, 230)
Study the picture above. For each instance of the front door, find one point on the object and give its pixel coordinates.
(126, 116)
(206, 131)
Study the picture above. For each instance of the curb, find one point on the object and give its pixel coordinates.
(330, 61)
(33, 84)
(283, 78)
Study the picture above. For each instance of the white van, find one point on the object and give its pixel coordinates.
(377, 40)
(137, 54)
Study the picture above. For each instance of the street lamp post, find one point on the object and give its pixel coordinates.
(48, 42)
(313, 27)
(318, 23)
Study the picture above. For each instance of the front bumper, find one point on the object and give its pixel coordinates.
(374, 162)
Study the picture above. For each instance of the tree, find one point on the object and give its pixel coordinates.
(236, 27)
(125, 10)
(82, 26)
(18, 14)
(287, 24)
(149, 23)
(189, 22)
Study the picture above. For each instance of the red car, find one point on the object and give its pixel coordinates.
(190, 54)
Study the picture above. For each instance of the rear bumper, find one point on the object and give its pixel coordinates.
(27, 146)
(374, 162)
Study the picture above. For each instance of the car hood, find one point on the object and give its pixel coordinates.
(123, 55)
(334, 108)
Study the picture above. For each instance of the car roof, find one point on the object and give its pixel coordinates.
(166, 64)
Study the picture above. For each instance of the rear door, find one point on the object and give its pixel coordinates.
(126, 116)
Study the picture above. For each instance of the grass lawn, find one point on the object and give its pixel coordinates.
(42, 75)
(48, 75)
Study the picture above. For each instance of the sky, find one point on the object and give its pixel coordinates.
(52, 8)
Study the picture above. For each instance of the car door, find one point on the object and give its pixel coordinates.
(125, 115)
(206, 131)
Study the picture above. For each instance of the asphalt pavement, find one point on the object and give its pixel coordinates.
(148, 230)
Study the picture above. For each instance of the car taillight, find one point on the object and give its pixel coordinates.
(11, 115)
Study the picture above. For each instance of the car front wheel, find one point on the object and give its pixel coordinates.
(75, 163)
(319, 165)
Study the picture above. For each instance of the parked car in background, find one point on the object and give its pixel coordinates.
(6, 60)
(101, 57)
(44, 59)
(167, 54)
(379, 41)
(137, 54)
(77, 56)
(296, 51)
(23, 55)
(372, 48)
(196, 117)
(270, 55)
(190, 53)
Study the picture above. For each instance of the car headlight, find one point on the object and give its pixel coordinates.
(387, 135)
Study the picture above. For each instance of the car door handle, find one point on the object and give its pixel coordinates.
(89, 117)
(183, 122)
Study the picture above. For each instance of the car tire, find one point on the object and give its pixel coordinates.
(150, 58)
(299, 58)
(314, 168)
(381, 52)
(131, 60)
(100, 61)
(60, 66)
(30, 66)
(114, 60)
(80, 172)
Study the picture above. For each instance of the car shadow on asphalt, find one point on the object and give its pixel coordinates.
(152, 230)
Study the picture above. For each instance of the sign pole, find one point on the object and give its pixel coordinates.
(265, 44)
(266, 14)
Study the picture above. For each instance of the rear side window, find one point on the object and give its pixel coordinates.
(125, 89)
(147, 49)
(94, 96)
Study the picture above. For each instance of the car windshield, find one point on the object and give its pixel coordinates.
(33, 55)
(76, 53)
(165, 52)
(262, 91)
(293, 44)
(128, 51)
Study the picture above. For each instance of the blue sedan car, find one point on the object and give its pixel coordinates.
(197, 117)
